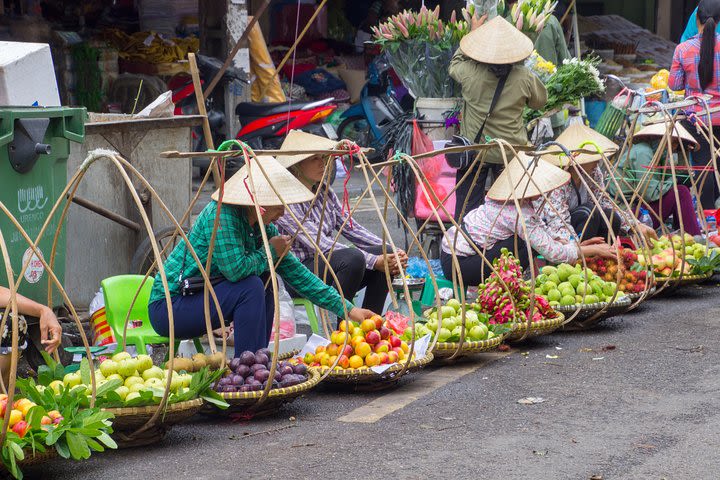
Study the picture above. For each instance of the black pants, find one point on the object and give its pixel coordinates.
(474, 269)
(476, 195)
(349, 267)
(596, 227)
(709, 192)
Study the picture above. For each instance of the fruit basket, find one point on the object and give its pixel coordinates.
(247, 402)
(444, 350)
(670, 284)
(589, 315)
(38, 458)
(366, 377)
(542, 327)
(129, 420)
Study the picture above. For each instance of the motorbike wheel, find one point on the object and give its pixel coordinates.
(357, 129)
(144, 257)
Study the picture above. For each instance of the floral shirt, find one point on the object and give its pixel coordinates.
(555, 211)
(494, 221)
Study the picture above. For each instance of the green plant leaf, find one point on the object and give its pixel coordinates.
(85, 371)
(34, 416)
(108, 387)
(62, 448)
(94, 445)
(79, 449)
(107, 440)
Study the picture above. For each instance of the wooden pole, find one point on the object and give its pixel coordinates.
(200, 98)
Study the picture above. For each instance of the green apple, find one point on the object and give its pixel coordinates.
(583, 289)
(130, 381)
(478, 332)
(143, 362)
(153, 372)
(127, 367)
(471, 319)
(609, 289)
(448, 323)
(115, 376)
(444, 334)
(108, 367)
(57, 386)
(454, 303)
(564, 272)
(432, 325)
(456, 332)
(447, 312)
(123, 391)
(155, 383)
(121, 356)
(72, 380)
(490, 335)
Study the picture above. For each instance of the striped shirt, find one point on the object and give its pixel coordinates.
(684, 75)
(332, 221)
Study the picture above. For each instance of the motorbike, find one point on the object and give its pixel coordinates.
(368, 122)
(263, 125)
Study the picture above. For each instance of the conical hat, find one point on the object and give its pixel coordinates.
(299, 140)
(497, 42)
(546, 177)
(658, 130)
(238, 188)
(575, 137)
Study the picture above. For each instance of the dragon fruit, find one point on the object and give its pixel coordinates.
(506, 285)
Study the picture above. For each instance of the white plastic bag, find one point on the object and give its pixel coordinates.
(287, 313)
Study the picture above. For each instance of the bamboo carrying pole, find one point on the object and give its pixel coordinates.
(207, 132)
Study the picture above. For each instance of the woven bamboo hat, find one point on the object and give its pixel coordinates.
(497, 42)
(577, 136)
(658, 130)
(299, 140)
(238, 188)
(514, 182)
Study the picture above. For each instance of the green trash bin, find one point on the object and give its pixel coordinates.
(34, 147)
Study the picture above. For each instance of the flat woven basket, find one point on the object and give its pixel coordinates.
(685, 281)
(590, 315)
(128, 420)
(39, 458)
(444, 350)
(543, 327)
(247, 402)
(365, 376)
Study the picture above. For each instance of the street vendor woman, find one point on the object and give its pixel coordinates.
(490, 53)
(573, 204)
(498, 224)
(355, 268)
(240, 263)
(50, 329)
(638, 171)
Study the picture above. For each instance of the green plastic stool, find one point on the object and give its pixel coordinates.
(119, 292)
(428, 295)
(310, 312)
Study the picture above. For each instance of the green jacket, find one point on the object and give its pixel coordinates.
(651, 183)
(551, 44)
(239, 253)
(522, 89)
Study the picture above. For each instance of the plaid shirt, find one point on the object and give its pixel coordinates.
(684, 75)
(332, 221)
(239, 253)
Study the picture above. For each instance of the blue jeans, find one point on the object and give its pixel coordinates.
(245, 302)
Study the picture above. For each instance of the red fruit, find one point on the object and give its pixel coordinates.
(395, 341)
(384, 332)
(21, 428)
(378, 321)
(3, 405)
(347, 351)
(372, 337)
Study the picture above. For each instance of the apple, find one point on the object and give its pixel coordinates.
(358, 332)
(378, 321)
(382, 346)
(120, 356)
(21, 428)
(372, 360)
(108, 367)
(347, 351)
(399, 351)
(54, 414)
(356, 361)
(393, 357)
(15, 417)
(127, 367)
(384, 358)
(308, 358)
(45, 420)
(372, 337)
(395, 341)
(71, 380)
(344, 361)
(143, 363)
(3, 407)
(130, 381)
(332, 349)
(384, 332)
(153, 372)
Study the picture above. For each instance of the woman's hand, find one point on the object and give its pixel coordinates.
(599, 250)
(359, 314)
(592, 241)
(647, 231)
(392, 262)
(50, 330)
(281, 244)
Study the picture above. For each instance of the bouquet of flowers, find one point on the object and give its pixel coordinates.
(572, 80)
(540, 67)
(528, 16)
(419, 46)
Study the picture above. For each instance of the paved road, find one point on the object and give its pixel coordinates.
(636, 398)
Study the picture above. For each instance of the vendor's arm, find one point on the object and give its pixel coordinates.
(539, 238)
(50, 329)
(459, 66)
(676, 79)
(234, 255)
(537, 93)
(555, 213)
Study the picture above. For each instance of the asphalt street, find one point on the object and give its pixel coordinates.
(635, 398)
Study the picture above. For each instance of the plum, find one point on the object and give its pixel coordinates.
(257, 367)
(262, 358)
(249, 380)
(278, 376)
(264, 351)
(262, 375)
(238, 380)
(286, 370)
(245, 388)
(300, 369)
(225, 381)
(234, 364)
(242, 370)
(247, 358)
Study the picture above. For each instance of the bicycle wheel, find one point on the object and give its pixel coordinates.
(143, 257)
